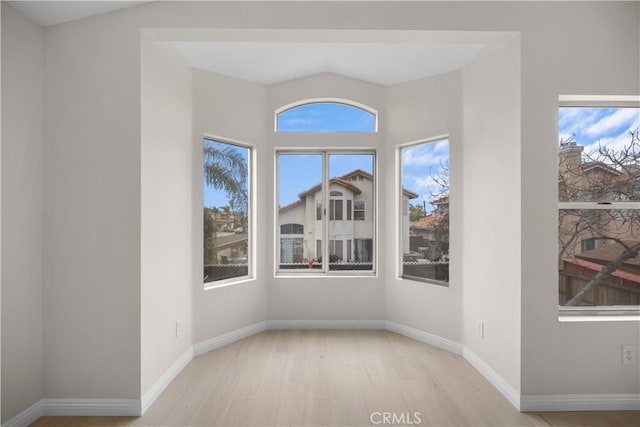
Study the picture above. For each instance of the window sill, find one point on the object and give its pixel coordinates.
(599, 314)
(341, 275)
(228, 282)
(425, 280)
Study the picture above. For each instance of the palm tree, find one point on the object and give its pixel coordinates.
(225, 169)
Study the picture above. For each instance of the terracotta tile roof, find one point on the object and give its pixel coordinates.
(291, 205)
(340, 181)
(357, 172)
(427, 222)
(594, 266)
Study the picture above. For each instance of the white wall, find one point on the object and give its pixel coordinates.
(232, 109)
(418, 110)
(302, 298)
(604, 60)
(92, 210)
(22, 137)
(166, 209)
(491, 217)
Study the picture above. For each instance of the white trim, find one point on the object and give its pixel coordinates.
(91, 407)
(75, 407)
(580, 402)
(228, 338)
(425, 337)
(26, 417)
(342, 101)
(599, 100)
(326, 324)
(492, 376)
(163, 382)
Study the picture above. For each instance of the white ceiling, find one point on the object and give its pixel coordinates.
(380, 63)
(56, 12)
(272, 62)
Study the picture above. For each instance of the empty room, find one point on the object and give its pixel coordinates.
(320, 213)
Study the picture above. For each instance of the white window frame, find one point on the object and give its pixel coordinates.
(596, 313)
(341, 101)
(401, 209)
(251, 213)
(325, 271)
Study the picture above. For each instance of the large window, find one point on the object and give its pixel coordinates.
(307, 182)
(599, 206)
(326, 116)
(424, 211)
(227, 211)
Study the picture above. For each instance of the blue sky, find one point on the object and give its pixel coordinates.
(419, 164)
(299, 172)
(326, 117)
(591, 126)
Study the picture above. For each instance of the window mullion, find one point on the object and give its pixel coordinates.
(325, 211)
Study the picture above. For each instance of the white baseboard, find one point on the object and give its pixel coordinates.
(91, 407)
(228, 338)
(26, 417)
(492, 376)
(156, 390)
(75, 407)
(580, 402)
(425, 337)
(326, 324)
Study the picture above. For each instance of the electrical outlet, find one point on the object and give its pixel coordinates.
(178, 328)
(480, 328)
(629, 355)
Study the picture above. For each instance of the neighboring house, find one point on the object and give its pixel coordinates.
(351, 225)
(429, 236)
(225, 220)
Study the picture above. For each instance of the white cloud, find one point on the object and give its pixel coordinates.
(415, 157)
(622, 117)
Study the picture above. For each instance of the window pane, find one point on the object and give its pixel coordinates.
(599, 262)
(599, 154)
(325, 117)
(226, 211)
(425, 211)
(352, 177)
(358, 210)
(300, 211)
(599, 164)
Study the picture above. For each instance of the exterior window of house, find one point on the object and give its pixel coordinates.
(598, 206)
(227, 212)
(335, 210)
(326, 116)
(358, 210)
(424, 211)
(292, 229)
(306, 182)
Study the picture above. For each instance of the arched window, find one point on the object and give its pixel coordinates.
(335, 193)
(292, 229)
(326, 116)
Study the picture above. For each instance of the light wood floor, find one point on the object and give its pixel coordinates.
(335, 378)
